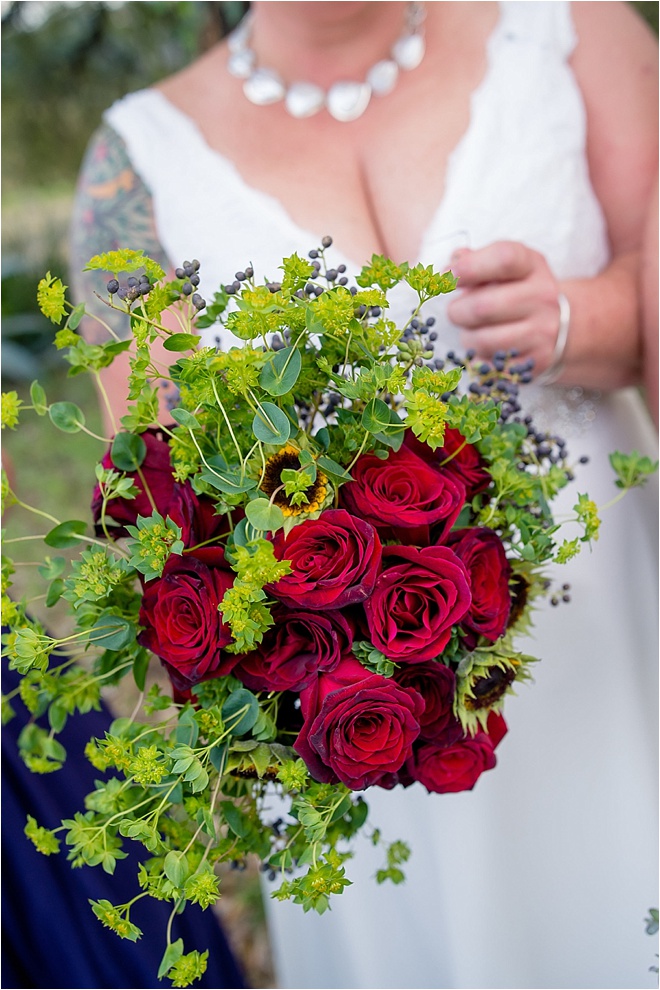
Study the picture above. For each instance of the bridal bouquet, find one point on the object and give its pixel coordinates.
(330, 542)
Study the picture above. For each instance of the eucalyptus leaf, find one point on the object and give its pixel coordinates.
(235, 818)
(112, 632)
(271, 425)
(66, 534)
(184, 418)
(264, 515)
(333, 469)
(217, 756)
(38, 398)
(76, 316)
(128, 451)
(240, 711)
(230, 484)
(281, 371)
(140, 667)
(66, 416)
(54, 592)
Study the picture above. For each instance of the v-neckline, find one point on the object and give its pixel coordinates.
(281, 214)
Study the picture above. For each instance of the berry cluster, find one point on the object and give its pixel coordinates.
(189, 273)
(131, 289)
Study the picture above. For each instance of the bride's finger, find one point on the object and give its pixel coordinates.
(518, 337)
(496, 303)
(502, 261)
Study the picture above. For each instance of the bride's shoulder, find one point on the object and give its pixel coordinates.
(613, 33)
(204, 81)
(615, 62)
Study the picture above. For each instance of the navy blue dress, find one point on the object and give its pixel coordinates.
(51, 938)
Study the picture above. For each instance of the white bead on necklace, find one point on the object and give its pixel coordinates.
(345, 100)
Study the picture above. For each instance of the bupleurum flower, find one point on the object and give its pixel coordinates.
(291, 503)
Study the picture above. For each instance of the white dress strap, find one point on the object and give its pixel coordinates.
(546, 24)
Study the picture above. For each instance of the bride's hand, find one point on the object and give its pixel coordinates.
(508, 300)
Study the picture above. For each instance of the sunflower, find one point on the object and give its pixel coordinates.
(272, 485)
(482, 683)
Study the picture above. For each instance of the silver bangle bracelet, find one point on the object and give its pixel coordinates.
(555, 368)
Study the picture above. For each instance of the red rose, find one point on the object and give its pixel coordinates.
(359, 727)
(155, 473)
(334, 559)
(447, 769)
(196, 515)
(403, 496)
(300, 645)
(182, 624)
(456, 457)
(419, 596)
(482, 552)
(436, 683)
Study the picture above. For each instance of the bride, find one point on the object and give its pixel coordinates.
(516, 142)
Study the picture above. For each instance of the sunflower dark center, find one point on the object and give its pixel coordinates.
(490, 688)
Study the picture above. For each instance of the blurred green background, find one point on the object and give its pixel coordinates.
(63, 64)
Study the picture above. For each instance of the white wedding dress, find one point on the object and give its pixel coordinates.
(543, 875)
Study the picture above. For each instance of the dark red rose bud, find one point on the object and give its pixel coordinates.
(482, 552)
(359, 727)
(334, 559)
(419, 596)
(456, 457)
(403, 496)
(156, 479)
(182, 624)
(436, 683)
(299, 646)
(448, 769)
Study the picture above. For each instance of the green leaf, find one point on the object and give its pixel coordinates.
(240, 711)
(52, 568)
(217, 756)
(140, 667)
(187, 731)
(281, 371)
(235, 818)
(263, 515)
(201, 782)
(66, 416)
(227, 481)
(76, 316)
(112, 632)
(38, 397)
(173, 953)
(261, 758)
(185, 418)
(57, 716)
(54, 592)
(333, 469)
(176, 868)
(181, 342)
(67, 534)
(128, 451)
(271, 425)
(376, 416)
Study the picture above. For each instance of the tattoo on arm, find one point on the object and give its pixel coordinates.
(112, 209)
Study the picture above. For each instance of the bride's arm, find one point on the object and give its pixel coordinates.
(112, 210)
(510, 297)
